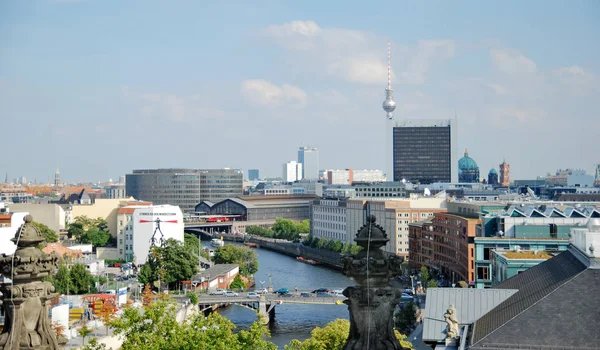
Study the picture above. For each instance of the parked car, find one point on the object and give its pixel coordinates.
(231, 294)
(407, 291)
(253, 295)
(282, 291)
(321, 290)
(262, 291)
(219, 292)
(337, 291)
(286, 295)
(324, 295)
(305, 294)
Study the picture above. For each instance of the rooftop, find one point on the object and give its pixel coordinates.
(526, 254)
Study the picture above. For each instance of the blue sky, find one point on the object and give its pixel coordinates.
(99, 88)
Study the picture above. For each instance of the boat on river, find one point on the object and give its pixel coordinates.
(215, 242)
(308, 261)
(251, 245)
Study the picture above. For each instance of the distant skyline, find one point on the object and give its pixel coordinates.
(100, 88)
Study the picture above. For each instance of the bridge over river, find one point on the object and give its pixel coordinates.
(266, 303)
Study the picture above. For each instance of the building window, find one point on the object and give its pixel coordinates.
(483, 273)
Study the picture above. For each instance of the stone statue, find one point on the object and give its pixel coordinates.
(27, 299)
(371, 303)
(451, 323)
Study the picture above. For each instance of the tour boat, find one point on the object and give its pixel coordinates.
(308, 261)
(215, 242)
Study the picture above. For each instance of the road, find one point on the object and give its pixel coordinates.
(291, 298)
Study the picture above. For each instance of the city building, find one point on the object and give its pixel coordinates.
(394, 215)
(507, 264)
(445, 244)
(124, 221)
(106, 209)
(597, 177)
(253, 174)
(184, 187)
(311, 187)
(51, 215)
(468, 171)
(115, 191)
(150, 226)
(570, 178)
(309, 158)
(504, 174)
(292, 171)
(349, 176)
(218, 276)
(10, 222)
(57, 182)
(339, 192)
(328, 219)
(492, 177)
(13, 193)
(387, 189)
(422, 151)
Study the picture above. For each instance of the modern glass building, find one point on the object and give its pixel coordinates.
(184, 187)
(309, 158)
(253, 174)
(422, 151)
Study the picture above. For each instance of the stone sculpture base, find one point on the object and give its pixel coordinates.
(371, 318)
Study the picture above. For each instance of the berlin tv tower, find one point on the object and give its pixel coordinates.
(389, 105)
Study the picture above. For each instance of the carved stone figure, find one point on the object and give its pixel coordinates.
(27, 299)
(371, 302)
(451, 322)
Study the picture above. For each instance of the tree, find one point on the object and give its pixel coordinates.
(95, 237)
(432, 284)
(237, 283)
(84, 331)
(337, 246)
(48, 233)
(304, 226)
(147, 296)
(424, 275)
(62, 279)
(406, 317)
(170, 264)
(106, 314)
(75, 230)
(80, 281)
(333, 337)
(93, 344)
(192, 244)
(243, 256)
(193, 298)
(156, 328)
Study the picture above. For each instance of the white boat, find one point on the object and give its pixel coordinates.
(215, 242)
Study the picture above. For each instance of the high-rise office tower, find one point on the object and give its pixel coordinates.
(253, 174)
(597, 177)
(309, 158)
(57, 178)
(422, 150)
(504, 174)
(292, 171)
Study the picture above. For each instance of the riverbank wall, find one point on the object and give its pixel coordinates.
(325, 257)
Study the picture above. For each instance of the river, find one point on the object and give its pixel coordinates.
(292, 321)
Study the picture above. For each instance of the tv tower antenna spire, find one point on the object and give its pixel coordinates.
(389, 105)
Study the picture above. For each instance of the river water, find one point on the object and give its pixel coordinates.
(292, 321)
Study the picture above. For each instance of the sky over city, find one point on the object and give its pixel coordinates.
(98, 88)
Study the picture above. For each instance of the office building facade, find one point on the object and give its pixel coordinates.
(184, 187)
(292, 171)
(422, 151)
(309, 158)
(253, 174)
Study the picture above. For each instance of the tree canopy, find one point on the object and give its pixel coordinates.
(282, 229)
(237, 283)
(170, 263)
(48, 233)
(333, 337)
(74, 280)
(156, 328)
(243, 256)
(90, 231)
(192, 244)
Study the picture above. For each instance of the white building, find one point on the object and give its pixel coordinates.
(153, 223)
(309, 158)
(328, 219)
(9, 224)
(349, 176)
(292, 171)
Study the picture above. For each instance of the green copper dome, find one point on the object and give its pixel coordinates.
(493, 171)
(467, 163)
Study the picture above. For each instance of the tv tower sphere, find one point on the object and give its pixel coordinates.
(389, 105)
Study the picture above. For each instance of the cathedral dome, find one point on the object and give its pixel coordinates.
(467, 163)
(493, 172)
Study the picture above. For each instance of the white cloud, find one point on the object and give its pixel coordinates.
(574, 76)
(498, 89)
(171, 106)
(512, 62)
(262, 93)
(507, 117)
(357, 56)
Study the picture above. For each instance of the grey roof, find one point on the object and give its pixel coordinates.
(470, 305)
(214, 272)
(557, 306)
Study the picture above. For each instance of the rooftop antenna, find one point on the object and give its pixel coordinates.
(389, 105)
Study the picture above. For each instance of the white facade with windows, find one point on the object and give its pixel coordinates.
(292, 171)
(328, 219)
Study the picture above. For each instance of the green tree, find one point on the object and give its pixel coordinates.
(355, 249)
(48, 233)
(333, 337)
(406, 317)
(303, 226)
(156, 328)
(192, 244)
(75, 230)
(62, 279)
(432, 284)
(424, 275)
(315, 242)
(337, 246)
(243, 256)
(259, 231)
(95, 237)
(170, 264)
(193, 298)
(81, 280)
(237, 283)
(93, 344)
(84, 331)
(284, 226)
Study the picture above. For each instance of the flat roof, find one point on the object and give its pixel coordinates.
(525, 254)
